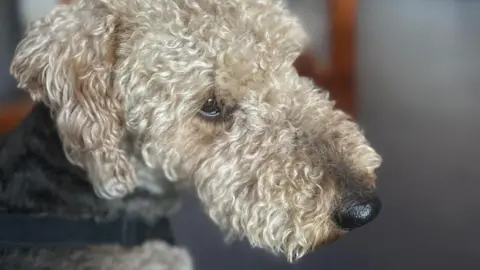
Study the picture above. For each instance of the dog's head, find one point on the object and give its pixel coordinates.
(208, 92)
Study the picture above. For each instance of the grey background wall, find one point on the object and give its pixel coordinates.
(30, 10)
(10, 32)
(314, 16)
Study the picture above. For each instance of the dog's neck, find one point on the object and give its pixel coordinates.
(34, 172)
(36, 177)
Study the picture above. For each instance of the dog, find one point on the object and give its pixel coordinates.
(154, 96)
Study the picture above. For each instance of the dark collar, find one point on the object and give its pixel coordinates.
(30, 231)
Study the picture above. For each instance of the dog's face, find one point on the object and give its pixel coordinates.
(208, 91)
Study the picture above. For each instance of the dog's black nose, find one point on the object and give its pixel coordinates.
(355, 214)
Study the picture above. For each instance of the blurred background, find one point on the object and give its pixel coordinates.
(409, 72)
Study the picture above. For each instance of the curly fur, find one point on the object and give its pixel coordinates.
(150, 256)
(67, 62)
(127, 78)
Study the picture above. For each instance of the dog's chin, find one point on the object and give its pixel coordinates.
(332, 238)
(320, 246)
(323, 244)
(296, 254)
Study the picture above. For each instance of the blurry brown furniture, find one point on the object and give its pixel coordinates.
(12, 114)
(338, 78)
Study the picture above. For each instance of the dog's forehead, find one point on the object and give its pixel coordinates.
(234, 23)
(252, 29)
(238, 42)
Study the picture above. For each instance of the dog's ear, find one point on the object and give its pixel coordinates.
(66, 61)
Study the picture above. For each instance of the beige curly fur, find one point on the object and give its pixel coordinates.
(67, 61)
(270, 168)
(150, 256)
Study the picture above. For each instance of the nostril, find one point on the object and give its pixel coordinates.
(358, 214)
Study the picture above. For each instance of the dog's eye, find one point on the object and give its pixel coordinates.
(211, 109)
